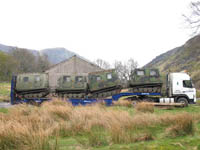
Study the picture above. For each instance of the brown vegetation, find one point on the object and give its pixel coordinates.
(183, 124)
(126, 103)
(32, 128)
(145, 107)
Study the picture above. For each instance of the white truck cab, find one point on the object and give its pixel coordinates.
(180, 87)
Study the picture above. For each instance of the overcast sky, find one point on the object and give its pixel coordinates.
(107, 29)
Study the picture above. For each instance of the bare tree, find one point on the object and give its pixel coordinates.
(193, 19)
(8, 66)
(102, 64)
(124, 69)
(27, 61)
(42, 63)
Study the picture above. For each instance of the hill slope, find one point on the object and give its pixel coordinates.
(55, 55)
(186, 57)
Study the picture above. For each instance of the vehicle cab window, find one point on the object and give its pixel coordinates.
(37, 78)
(66, 79)
(79, 79)
(140, 72)
(98, 78)
(109, 76)
(25, 79)
(153, 73)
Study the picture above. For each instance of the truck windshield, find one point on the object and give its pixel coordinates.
(187, 84)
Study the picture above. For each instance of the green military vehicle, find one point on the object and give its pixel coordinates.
(103, 84)
(145, 81)
(72, 86)
(32, 85)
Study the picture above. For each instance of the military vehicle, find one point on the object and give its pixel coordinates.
(103, 84)
(32, 85)
(145, 81)
(145, 84)
(72, 86)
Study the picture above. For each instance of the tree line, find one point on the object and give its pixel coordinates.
(21, 61)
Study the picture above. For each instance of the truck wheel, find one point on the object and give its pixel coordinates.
(184, 101)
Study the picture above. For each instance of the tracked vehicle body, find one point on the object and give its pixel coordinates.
(32, 85)
(145, 81)
(72, 86)
(103, 84)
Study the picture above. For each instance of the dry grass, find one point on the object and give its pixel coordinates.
(198, 102)
(31, 128)
(183, 124)
(145, 107)
(125, 103)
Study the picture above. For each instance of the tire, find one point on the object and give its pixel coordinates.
(183, 100)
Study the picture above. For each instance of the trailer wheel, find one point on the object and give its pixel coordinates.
(184, 101)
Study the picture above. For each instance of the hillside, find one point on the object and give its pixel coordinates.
(55, 55)
(186, 57)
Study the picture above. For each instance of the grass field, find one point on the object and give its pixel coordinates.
(57, 125)
(4, 91)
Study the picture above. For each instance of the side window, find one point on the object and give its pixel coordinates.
(37, 78)
(66, 79)
(25, 79)
(187, 84)
(153, 73)
(92, 78)
(140, 72)
(98, 78)
(79, 79)
(109, 76)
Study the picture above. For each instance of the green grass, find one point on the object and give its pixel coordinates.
(180, 143)
(4, 91)
(160, 141)
(4, 110)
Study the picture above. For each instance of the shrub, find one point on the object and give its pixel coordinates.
(125, 103)
(145, 107)
(198, 102)
(198, 93)
(183, 124)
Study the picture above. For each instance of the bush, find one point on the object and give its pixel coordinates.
(198, 93)
(145, 107)
(198, 102)
(125, 103)
(183, 124)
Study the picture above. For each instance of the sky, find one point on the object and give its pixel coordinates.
(106, 29)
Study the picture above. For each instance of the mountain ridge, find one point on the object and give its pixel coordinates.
(185, 57)
(55, 55)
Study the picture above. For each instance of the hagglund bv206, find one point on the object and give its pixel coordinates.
(148, 84)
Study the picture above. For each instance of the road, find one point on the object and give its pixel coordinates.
(5, 105)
